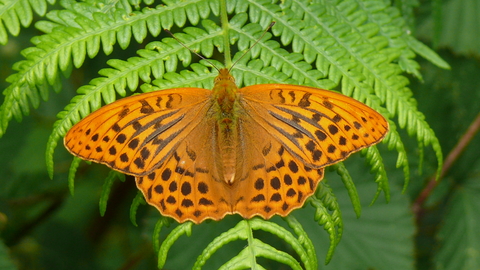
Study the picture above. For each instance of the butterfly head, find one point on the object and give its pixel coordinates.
(224, 75)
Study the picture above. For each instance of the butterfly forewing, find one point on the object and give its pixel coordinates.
(134, 135)
(318, 127)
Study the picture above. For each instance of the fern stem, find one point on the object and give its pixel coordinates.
(251, 243)
(226, 38)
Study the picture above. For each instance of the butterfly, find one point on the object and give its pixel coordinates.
(201, 154)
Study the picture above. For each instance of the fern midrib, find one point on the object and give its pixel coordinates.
(136, 67)
(398, 97)
(275, 54)
(226, 33)
(28, 71)
(293, 30)
(332, 61)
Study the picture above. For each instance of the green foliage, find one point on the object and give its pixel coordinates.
(5, 260)
(364, 49)
(459, 21)
(382, 238)
(460, 230)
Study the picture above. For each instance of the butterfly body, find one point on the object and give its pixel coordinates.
(225, 99)
(199, 154)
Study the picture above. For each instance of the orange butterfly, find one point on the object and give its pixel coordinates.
(198, 154)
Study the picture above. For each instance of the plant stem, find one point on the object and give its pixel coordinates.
(226, 37)
(449, 161)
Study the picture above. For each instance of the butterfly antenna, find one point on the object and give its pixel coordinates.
(194, 52)
(258, 40)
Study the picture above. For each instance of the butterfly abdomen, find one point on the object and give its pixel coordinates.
(228, 161)
(225, 99)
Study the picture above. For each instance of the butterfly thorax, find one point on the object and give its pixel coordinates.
(225, 102)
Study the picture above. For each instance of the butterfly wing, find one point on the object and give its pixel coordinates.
(134, 135)
(318, 127)
(187, 185)
(168, 140)
(270, 179)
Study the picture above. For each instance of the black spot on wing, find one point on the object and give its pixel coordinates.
(258, 198)
(333, 129)
(275, 183)
(276, 197)
(337, 118)
(202, 188)
(136, 125)
(145, 153)
(342, 140)
(259, 184)
(124, 112)
(121, 138)
(281, 97)
(133, 144)
(146, 108)
(191, 154)
(266, 149)
(305, 101)
(187, 203)
(327, 104)
(140, 163)
(205, 202)
(168, 104)
(116, 127)
(357, 125)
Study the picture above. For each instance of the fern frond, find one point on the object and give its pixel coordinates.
(394, 141)
(346, 36)
(107, 187)
(156, 59)
(17, 14)
(256, 248)
(244, 259)
(76, 32)
(373, 156)
(349, 186)
(177, 232)
(137, 201)
(273, 56)
(392, 27)
(304, 239)
(161, 222)
(71, 174)
(325, 202)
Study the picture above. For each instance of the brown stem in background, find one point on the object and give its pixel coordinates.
(451, 158)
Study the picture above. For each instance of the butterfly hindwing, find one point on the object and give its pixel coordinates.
(274, 181)
(187, 185)
(269, 180)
